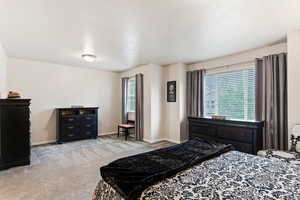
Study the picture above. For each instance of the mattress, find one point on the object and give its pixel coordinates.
(233, 175)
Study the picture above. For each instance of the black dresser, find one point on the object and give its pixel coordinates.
(14, 132)
(245, 136)
(76, 124)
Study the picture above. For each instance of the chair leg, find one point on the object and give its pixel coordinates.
(126, 133)
(118, 131)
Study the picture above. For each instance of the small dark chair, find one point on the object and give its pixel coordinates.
(124, 128)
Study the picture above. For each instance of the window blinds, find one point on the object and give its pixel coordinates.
(231, 94)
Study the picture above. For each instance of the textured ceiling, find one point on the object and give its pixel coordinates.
(126, 33)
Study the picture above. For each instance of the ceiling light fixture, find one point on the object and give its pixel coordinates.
(89, 57)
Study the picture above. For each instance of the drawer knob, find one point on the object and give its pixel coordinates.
(70, 127)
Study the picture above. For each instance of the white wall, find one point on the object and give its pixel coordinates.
(163, 120)
(51, 86)
(157, 121)
(167, 121)
(3, 72)
(293, 79)
(244, 57)
(152, 100)
(174, 112)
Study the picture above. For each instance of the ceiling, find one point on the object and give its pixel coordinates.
(126, 33)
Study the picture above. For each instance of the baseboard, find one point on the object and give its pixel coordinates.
(54, 141)
(153, 141)
(173, 141)
(43, 143)
(184, 141)
(107, 133)
(164, 140)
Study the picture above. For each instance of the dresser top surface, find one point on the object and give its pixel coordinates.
(82, 108)
(207, 119)
(14, 101)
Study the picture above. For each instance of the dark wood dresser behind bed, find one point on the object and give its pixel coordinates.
(245, 136)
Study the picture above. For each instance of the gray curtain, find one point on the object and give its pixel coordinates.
(124, 99)
(139, 107)
(271, 100)
(195, 93)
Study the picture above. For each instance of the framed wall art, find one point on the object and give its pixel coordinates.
(171, 91)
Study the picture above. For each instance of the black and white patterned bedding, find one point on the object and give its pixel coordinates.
(233, 175)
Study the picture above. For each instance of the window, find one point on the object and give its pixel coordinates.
(131, 95)
(231, 94)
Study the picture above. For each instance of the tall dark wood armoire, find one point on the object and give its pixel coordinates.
(14, 132)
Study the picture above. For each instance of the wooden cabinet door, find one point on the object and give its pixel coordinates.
(15, 136)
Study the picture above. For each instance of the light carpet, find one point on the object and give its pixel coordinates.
(67, 171)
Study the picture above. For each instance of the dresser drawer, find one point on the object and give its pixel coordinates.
(70, 131)
(88, 126)
(237, 134)
(89, 133)
(202, 129)
(69, 136)
(89, 119)
(71, 127)
(69, 119)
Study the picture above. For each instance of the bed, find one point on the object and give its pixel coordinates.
(225, 175)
